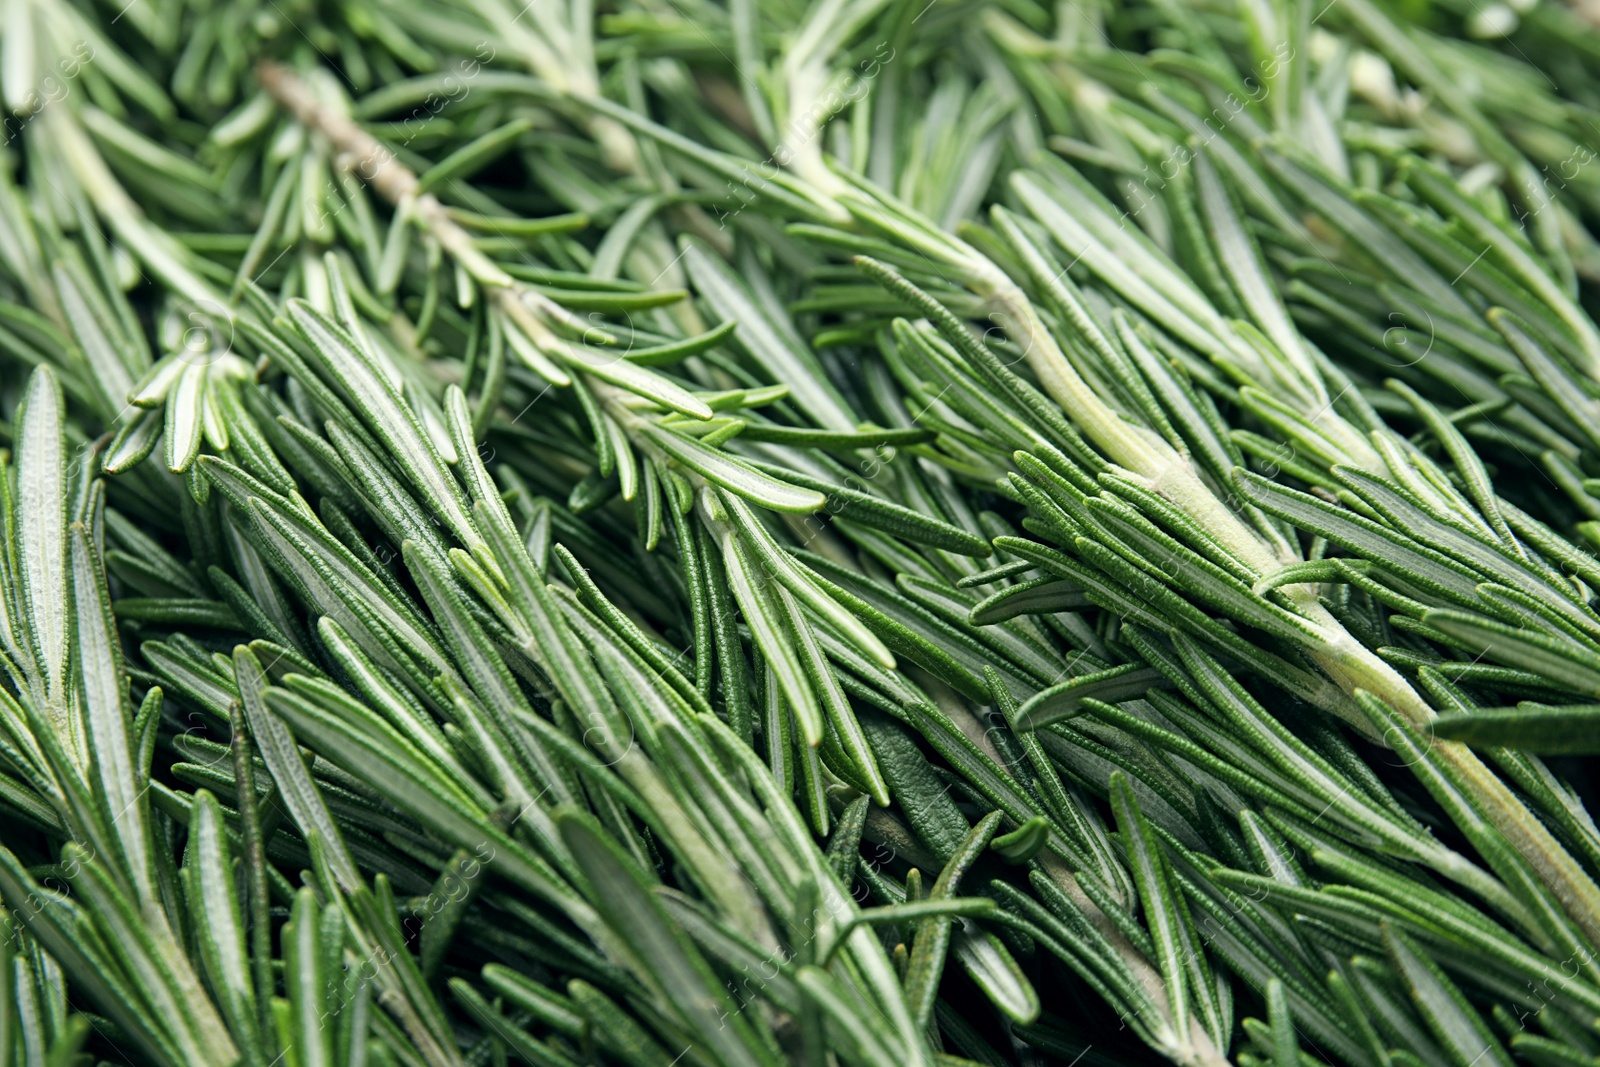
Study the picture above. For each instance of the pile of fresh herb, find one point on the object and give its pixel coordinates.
(868, 532)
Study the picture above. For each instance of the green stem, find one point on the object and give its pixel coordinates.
(1350, 664)
(1194, 1050)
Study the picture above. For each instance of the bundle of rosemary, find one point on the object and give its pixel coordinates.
(861, 532)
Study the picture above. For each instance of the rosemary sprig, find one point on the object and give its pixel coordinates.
(834, 532)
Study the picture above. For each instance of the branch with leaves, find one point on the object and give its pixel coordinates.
(871, 533)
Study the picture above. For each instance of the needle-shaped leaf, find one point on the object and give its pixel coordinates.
(1037, 596)
(1128, 263)
(42, 539)
(593, 599)
(846, 730)
(660, 955)
(770, 339)
(1241, 259)
(671, 352)
(990, 964)
(1064, 700)
(880, 514)
(486, 672)
(370, 390)
(135, 440)
(473, 156)
(106, 719)
(772, 626)
(1285, 1045)
(209, 888)
(303, 959)
(186, 403)
(834, 440)
(1462, 1032)
(1572, 729)
(917, 790)
(904, 626)
(779, 565)
(1388, 249)
(1164, 912)
(405, 778)
(728, 473)
(295, 785)
(933, 934)
(506, 1030)
(1566, 664)
(340, 585)
(1441, 191)
(1421, 564)
(610, 365)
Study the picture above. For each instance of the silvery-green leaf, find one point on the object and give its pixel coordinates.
(304, 979)
(990, 964)
(770, 626)
(612, 365)
(1241, 259)
(185, 412)
(485, 671)
(209, 885)
(389, 417)
(933, 934)
(151, 390)
(781, 566)
(1437, 188)
(660, 955)
(340, 585)
(834, 705)
(1127, 265)
(515, 1038)
(880, 513)
(42, 533)
(135, 440)
(846, 1019)
(19, 58)
(1156, 893)
(771, 340)
(405, 778)
(1529, 727)
(106, 719)
(729, 473)
(277, 747)
(167, 986)
(1459, 1028)
(1037, 596)
(107, 360)
(1065, 699)
(1566, 664)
